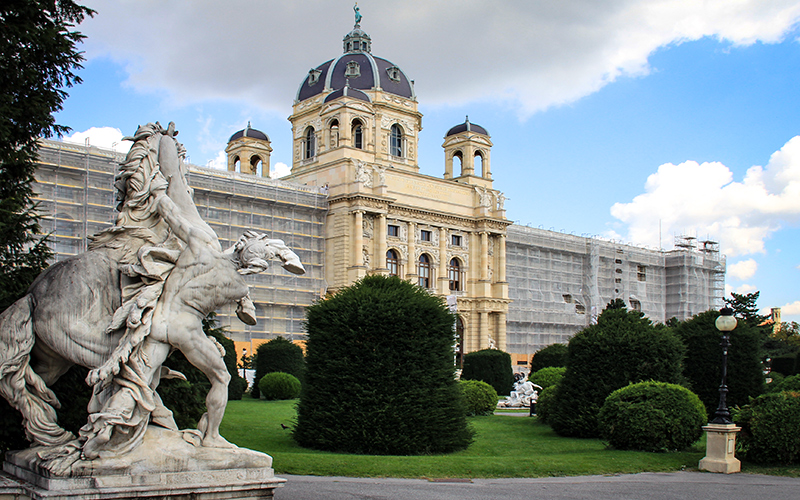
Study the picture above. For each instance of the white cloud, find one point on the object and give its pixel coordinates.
(704, 199)
(280, 170)
(743, 270)
(220, 162)
(744, 289)
(530, 55)
(792, 308)
(102, 137)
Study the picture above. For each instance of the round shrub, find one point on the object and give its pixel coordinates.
(278, 355)
(544, 405)
(652, 416)
(279, 385)
(380, 376)
(491, 366)
(480, 397)
(547, 377)
(552, 355)
(770, 429)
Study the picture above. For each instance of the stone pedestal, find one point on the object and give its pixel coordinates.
(720, 447)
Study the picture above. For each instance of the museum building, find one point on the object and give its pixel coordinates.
(356, 203)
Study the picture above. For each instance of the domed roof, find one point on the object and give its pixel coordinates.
(249, 132)
(358, 67)
(467, 127)
(348, 91)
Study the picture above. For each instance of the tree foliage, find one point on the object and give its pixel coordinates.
(380, 377)
(278, 355)
(39, 58)
(491, 366)
(552, 355)
(745, 308)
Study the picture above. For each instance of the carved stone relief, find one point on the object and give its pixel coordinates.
(368, 225)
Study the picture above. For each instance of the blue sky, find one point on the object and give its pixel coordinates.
(608, 118)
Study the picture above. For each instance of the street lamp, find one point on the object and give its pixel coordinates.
(725, 323)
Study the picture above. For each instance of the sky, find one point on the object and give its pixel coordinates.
(632, 120)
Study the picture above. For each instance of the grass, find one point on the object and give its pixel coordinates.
(504, 446)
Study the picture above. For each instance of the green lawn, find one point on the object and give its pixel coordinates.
(504, 446)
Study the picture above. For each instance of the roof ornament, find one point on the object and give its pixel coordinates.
(358, 15)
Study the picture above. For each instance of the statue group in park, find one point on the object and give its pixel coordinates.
(141, 291)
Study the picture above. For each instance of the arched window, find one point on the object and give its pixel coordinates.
(392, 263)
(334, 138)
(478, 165)
(255, 162)
(358, 135)
(311, 143)
(237, 164)
(396, 141)
(458, 161)
(424, 271)
(454, 275)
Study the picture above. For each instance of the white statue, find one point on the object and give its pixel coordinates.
(501, 201)
(142, 289)
(485, 197)
(523, 394)
(363, 174)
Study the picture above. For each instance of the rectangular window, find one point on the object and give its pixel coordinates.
(641, 273)
(394, 230)
(425, 235)
(456, 240)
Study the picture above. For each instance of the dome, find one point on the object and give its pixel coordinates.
(249, 132)
(467, 127)
(358, 68)
(349, 92)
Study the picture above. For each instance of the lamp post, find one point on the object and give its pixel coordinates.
(721, 431)
(724, 323)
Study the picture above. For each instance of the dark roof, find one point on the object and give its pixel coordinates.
(249, 132)
(466, 126)
(349, 92)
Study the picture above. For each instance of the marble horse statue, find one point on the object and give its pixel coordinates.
(140, 291)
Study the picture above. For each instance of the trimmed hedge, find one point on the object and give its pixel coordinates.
(480, 397)
(544, 405)
(770, 429)
(552, 355)
(652, 416)
(623, 347)
(547, 377)
(703, 362)
(381, 378)
(491, 366)
(279, 385)
(278, 355)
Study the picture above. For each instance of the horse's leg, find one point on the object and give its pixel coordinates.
(48, 364)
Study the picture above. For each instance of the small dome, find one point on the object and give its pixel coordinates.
(348, 92)
(467, 127)
(249, 132)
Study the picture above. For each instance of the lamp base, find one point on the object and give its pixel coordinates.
(720, 447)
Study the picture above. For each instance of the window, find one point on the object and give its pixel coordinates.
(310, 149)
(392, 263)
(424, 271)
(454, 275)
(425, 235)
(394, 230)
(477, 163)
(456, 240)
(353, 69)
(313, 77)
(567, 298)
(641, 273)
(618, 261)
(358, 135)
(618, 280)
(396, 141)
(394, 73)
(636, 305)
(580, 308)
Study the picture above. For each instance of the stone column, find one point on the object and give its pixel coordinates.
(380, 247)
(484, 256)
(411, 271)
(443, 262)
(483, 330)
(358, 238)
(501, 331)
(501, 258)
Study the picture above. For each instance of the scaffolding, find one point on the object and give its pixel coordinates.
(74, 189)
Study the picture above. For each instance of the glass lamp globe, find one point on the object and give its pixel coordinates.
(725, 322)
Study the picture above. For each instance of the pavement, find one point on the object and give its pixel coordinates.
(645, 486)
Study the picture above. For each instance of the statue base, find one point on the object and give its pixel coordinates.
(165, 466)
(720, 448)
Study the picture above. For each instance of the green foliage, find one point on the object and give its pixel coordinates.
(491, 366)
(480, 397)
(38, 58)
(703, 362)
(278, 355)
(785, 365)
(652, 416)
(279, 385)
(623, 347)
(745, 308)
(788, 384)
(552, 355)
(770, 429)
(547, 377)
(380, 376)
(544, 405)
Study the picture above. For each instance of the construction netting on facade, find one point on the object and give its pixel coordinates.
(76, 199)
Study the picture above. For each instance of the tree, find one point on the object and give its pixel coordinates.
(38, 61)
(745, 308)
(491, 366)
(278, 355)
(552, 355)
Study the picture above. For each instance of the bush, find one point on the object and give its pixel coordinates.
(381, 378)
(544, 405)
(278, 355)
(279, 385)
(703, 362)
(623, 347)
(547, 377)
(491, 366)
(788, 384)
(652, 416)
(785, 365)
(770, 429)
(480, 397)
(552, 355)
